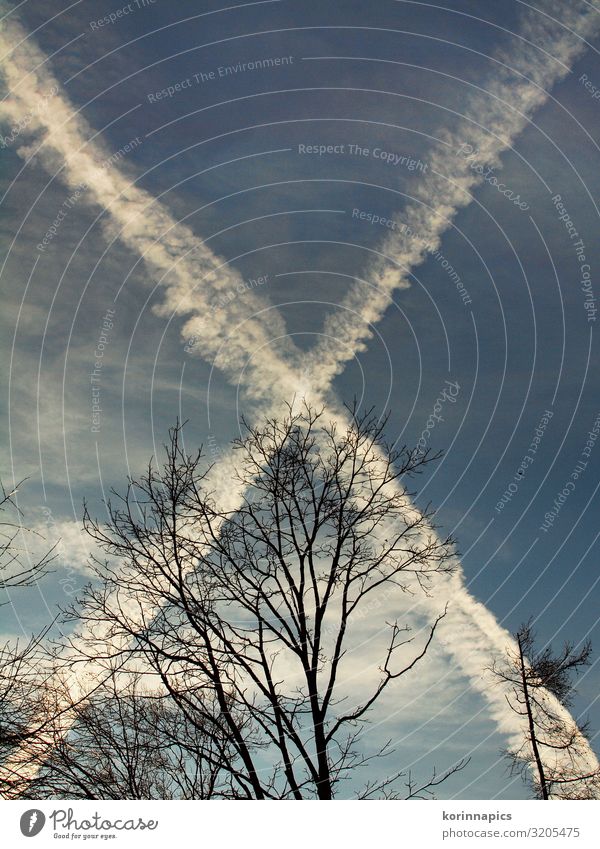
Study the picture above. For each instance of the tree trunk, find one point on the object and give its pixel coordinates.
(532, 735)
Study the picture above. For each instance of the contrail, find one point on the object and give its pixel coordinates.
(494, 119)
(471, 633)
(194, 278)
(474, 638)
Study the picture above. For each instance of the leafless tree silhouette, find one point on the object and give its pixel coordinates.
(550, 757)
(126, 741)
(245, 618)
(19, 680)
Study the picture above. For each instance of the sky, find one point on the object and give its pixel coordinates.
(206, 209)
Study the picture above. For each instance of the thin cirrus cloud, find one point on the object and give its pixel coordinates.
(193, 277)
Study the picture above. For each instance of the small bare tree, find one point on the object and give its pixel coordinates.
(19, 693)
(245, 616)
(554, 748)
(18, 676)
(125, 741)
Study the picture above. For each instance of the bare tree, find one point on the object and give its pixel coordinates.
(552, 758)
(246, 616)
(126, 741)
(18, 675)
(19, 691)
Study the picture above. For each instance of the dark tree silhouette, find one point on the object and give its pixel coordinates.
(552, 757)
(18, 663)
(244, 617)
(125, 741)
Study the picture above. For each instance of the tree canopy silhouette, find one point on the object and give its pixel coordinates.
(246, 619)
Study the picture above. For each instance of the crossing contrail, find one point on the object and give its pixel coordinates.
(194, 279)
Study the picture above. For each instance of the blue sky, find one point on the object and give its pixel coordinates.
(226, 153)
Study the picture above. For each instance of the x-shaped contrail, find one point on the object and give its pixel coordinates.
(238, 337)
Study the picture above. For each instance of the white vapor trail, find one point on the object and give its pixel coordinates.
(471, 633)
(194, 279)
(494, 118)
